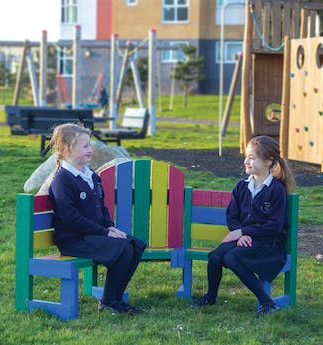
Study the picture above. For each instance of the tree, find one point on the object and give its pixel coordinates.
(189, 71)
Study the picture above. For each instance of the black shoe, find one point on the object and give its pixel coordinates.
(267, 309)
(114, 307)
(204, 301)
(130, 309)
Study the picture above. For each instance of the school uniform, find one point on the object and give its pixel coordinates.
(81, 222)
(260, 213)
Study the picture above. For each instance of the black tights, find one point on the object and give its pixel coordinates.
(249, 279)
(120, 273)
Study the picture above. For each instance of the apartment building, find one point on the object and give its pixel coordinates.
(206, 24)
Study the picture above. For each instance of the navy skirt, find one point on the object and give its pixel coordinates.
(266, 257)
(102, 249)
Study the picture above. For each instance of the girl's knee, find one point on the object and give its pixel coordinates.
(229, 260)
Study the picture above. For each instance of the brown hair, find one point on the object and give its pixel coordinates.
(267, 148)
(64, 137)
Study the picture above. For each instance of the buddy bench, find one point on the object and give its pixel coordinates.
(149, 199)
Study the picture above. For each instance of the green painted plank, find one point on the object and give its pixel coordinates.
(141, 207)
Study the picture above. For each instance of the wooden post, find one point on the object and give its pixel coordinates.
(304, 20)
(284, 120)
(152, 59)
(32, 76)
(43, 69)
(230, 99)
(112, 98)
(20, 73)
(245, 125)
(77, 85)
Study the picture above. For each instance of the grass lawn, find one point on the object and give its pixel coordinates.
(168, 320)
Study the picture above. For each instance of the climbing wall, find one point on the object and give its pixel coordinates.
(305, 136)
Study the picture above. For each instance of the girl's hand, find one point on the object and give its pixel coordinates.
(116, 233)
(232, 236)
(245, 241)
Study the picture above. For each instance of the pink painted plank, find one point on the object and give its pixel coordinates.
(175, 207)
(108, 177)
(42, 203)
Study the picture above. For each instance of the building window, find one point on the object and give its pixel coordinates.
(231, 48)
(175, 11)
(131, 2)
(234, 12)
(69, 11)
(173, 55)
(65, 62)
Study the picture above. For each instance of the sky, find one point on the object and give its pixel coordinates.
(26, 19)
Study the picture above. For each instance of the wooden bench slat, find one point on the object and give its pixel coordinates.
(158, 212)
(208, 215)
(175, 208)
(141, 207)
(124, 197)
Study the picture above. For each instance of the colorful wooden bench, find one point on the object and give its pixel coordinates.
(145, 198)
(205, 220)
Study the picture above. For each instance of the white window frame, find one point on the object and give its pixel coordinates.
(131, 2)
(176, 6)
(65, 62)
(173, 52)
(227, 59)
(234, 12)
(69, 11)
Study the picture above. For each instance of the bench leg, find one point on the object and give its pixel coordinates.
(67, 308)
(185, 291)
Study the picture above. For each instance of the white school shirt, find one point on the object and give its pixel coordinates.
(251, 184)
(86, 176)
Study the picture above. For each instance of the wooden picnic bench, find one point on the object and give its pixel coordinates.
(28, 120)
(149, 200)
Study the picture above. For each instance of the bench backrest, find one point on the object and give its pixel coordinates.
(42, 120)
(146, 198)
(205, 217)
(136, 118)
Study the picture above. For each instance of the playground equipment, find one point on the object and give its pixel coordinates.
(303, 117)
(267, 23)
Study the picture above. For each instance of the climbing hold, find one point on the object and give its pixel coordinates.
(297, 130)
(304, 94)
(299, 147)
(311, 143)
(292, 75)
(305, 128)
(320, 113)
(294, 106)
(305, 73)
(316, 89)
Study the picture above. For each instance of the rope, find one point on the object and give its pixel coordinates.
(260, 34)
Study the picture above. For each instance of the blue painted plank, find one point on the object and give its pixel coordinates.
(124, 196)
(208, 215)
(43, 221)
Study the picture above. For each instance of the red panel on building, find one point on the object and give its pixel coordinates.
(104, 19)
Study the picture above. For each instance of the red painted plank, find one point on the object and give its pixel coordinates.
(108, 177)
(211, 198)
(175, 207)
(42, 203)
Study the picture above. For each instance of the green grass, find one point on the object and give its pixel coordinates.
(168, 320)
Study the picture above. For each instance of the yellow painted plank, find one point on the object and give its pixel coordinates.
(43, 238)
(208, 232)
(158, 212)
